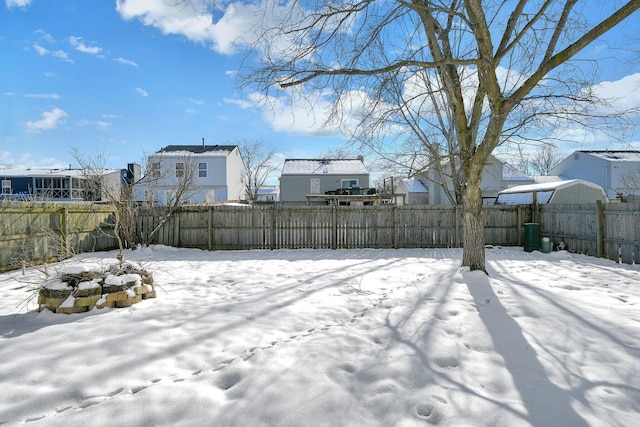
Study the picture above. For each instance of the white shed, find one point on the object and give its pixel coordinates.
(573, 191)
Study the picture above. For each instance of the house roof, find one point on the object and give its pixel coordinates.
(198, 149)
(510, 173)
(268, 190)
(615, 155)
(414, 186)
(323, 166)
(547, 186)
(49, 173)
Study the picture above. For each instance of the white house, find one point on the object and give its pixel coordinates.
(302, 177)
(217, 172)
(496, 176)
(605, 168)
(268, 194)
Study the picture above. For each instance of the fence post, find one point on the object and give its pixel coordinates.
(519, 223)
(334, 226)
(600, 233)
(395, 226)
(456, 219)
(64, 231)
(176, 230)
(209, 228)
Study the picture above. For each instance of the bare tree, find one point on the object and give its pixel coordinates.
(454, 77)
(259, 163)
(169, 181)
(101, 187)
(546, 157)
(630, 181)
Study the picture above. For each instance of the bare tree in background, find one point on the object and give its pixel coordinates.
(546, 157)
(630, 180)
(176, 178)
(113, 191)
(259, 165)
(453, 79)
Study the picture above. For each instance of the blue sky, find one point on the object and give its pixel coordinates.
(83, 74)
(128, 77)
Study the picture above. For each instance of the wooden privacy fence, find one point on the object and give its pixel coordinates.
(42, 232)
(609, 230)
(35, 233)
(327, 227)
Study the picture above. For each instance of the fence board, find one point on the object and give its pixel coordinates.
(39, 232)
(613, 231)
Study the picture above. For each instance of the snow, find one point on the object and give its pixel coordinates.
(333, 338)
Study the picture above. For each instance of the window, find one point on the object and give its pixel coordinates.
(179, 169)
(155, 169)
(315, 186)
(6, 186)
(349, 183)
(202, 170)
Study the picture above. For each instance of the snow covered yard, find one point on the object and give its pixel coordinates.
(333, 338)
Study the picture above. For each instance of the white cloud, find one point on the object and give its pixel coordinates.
(61, 54)
(17, 3)
(622, 94)
(79, 45)
(100, 124)
(43, 95)
(111, 116)
(50, 120)
(44, 35)
(142, 92)
(41, 50)
(196, 20)
(125, 62)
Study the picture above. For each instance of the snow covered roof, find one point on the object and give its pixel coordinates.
(523, 194)
(543, 179)
(268, 190)
(324, 166)
(49, 173)
(547, 186)
(615, 155)
(222, 150)
(414, 186)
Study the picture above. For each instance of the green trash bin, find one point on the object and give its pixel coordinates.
(531, 237)
(546, 245)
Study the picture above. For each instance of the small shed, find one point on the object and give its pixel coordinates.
(573, 191)
(414, 191)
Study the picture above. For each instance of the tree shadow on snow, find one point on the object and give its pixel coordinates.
(546, 403)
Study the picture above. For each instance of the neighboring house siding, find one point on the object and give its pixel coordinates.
(493, 181)
(300, 178)
(234, 175)
(295, 188)
(217, 172)
(60, 185)
(605, 168)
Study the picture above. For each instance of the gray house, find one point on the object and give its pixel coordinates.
(574, 191)
(303, 177)
(612, 170)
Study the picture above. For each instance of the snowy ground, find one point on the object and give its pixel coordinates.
(334, 338)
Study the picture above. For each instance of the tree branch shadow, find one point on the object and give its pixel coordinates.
(546, 403)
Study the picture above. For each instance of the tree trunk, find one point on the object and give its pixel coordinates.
(473, 217)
